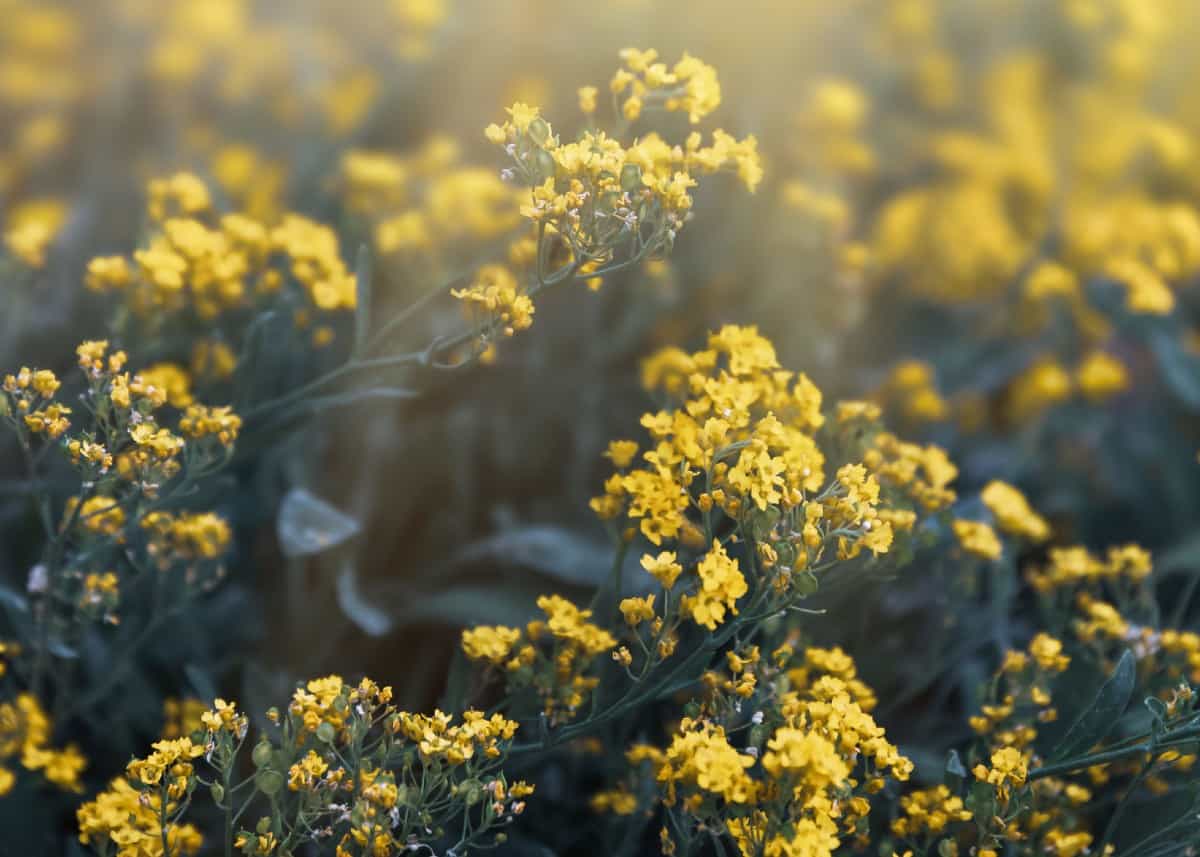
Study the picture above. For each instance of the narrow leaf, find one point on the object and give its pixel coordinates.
(1099, 718)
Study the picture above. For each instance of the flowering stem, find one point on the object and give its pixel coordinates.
(1070, 765)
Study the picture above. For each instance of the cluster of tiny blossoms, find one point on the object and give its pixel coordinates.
(1094, 609)
(793, 778)
(598, 204)
(200, 266)
(552, 655)
(735, 477)
(341, 767)
(738, 460)
(131, 441)
(25, 737)
(128, 461)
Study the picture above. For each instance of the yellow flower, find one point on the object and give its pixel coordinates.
(1047, 651)
(978, 538)
(522, 115)
(664, 568)
(637, 610)
(489, 642)
(1101, 376)
(587, 99)
(1013, 512)
(173, 380)
(1007, 768)
(721, 585)
(621, 453)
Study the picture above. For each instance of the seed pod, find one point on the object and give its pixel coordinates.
(218, 792)
(262, 754)
(947, 848)
(263, 826)
(631, 177)
(326, 733)
(268, 782)
(471, 791)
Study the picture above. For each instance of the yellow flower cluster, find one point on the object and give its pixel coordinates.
(551, 655)
(740, 449)
(596, 198)
(130, 819)
(929, 811)
(437, 739)
(799, 784)
(1073, 566)
(25, 737)
(911, 391)
(1007, 769)
(31, 227)
(101, 593)
(690, 86)
(187, 537)
(1013, 513)
(350, 760)
(28, 396)
(1021, 694)
(721, 585)
(422, 203)
(221, 422)
(496, 293)
(978, 538)
(199, 263)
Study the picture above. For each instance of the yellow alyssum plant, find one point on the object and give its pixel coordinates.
(339, 767)
(749, 499)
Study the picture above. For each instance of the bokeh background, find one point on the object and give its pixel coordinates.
(925, 159)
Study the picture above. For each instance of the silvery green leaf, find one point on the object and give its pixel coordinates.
(307, 525)
(370, 619)
(1100, 718)
(553, 551)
